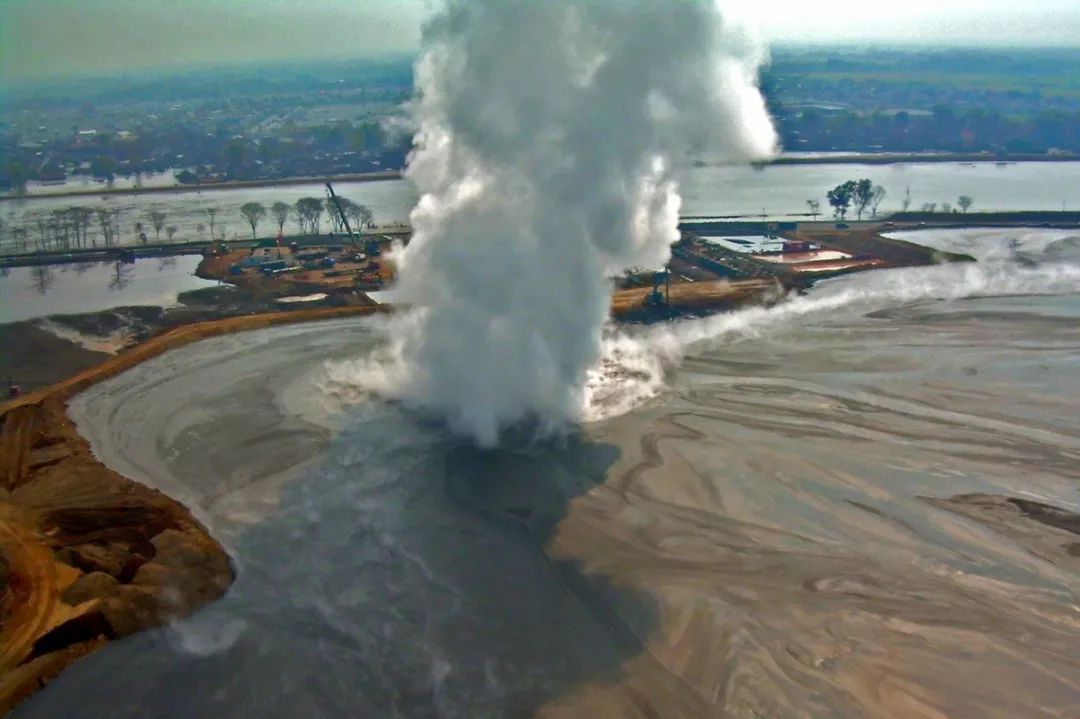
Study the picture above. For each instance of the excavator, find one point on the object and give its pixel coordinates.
(656, 298)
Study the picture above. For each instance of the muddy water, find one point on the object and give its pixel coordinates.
(773, 533)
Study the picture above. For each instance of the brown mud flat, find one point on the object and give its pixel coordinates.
(87, 555)
(866, 241)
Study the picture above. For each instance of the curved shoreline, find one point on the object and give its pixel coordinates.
(87, 555)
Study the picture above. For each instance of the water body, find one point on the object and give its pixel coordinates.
(85, 183)
(31, 292)
(779, 191)
(760, 538)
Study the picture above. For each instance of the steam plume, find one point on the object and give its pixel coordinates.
(550, 135)
(634, 367)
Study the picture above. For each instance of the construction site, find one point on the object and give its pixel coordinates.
(715, 265)
(718, 265)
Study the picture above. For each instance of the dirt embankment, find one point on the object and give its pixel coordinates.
(868, 242)
(87, 555)
(692, 298)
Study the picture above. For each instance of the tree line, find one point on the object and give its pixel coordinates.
(862, 195)
(80, 227)
(307, 212)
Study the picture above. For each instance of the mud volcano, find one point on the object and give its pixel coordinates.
(868, 511)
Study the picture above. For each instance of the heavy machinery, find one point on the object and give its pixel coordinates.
(372, 246)
(657, 298)
(341, 212)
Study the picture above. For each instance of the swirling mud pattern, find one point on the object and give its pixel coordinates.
(861, 503)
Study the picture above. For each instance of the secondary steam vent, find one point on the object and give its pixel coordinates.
(550, 135)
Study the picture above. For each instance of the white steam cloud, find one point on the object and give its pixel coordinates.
(550, 137)
(634, 368)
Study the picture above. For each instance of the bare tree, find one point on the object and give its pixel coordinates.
(964, 202)
(929, 206)
(253, 212)
(60, 226)
(876, 196)
(79, 219)
(114, 219)
(18, 237)
(815, 208)
(309, 210)
(336, 223)
(86, 217)
(906, 202)
(357, 214)
(170, 232)
(946, 207)
(106, 220)
(280, 211)
(157, 220)
(864, 191)
(44, 241)
(211, 212)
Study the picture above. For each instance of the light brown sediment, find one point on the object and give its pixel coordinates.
(796, 572)
(87, 555)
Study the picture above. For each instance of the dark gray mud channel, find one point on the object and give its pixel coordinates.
(393, 572)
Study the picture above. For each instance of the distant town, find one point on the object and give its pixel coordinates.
(342, 118)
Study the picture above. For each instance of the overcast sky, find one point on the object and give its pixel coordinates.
(40, 39)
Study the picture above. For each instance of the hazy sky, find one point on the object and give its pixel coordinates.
(48, 38)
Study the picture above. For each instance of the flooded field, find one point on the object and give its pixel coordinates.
(778, 192)
(827, 508)
(29, 292)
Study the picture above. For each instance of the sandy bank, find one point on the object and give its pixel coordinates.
(87, 555)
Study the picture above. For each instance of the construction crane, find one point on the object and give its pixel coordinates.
(341, 212)
(372, 246)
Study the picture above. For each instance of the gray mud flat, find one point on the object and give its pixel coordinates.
(788, 530)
